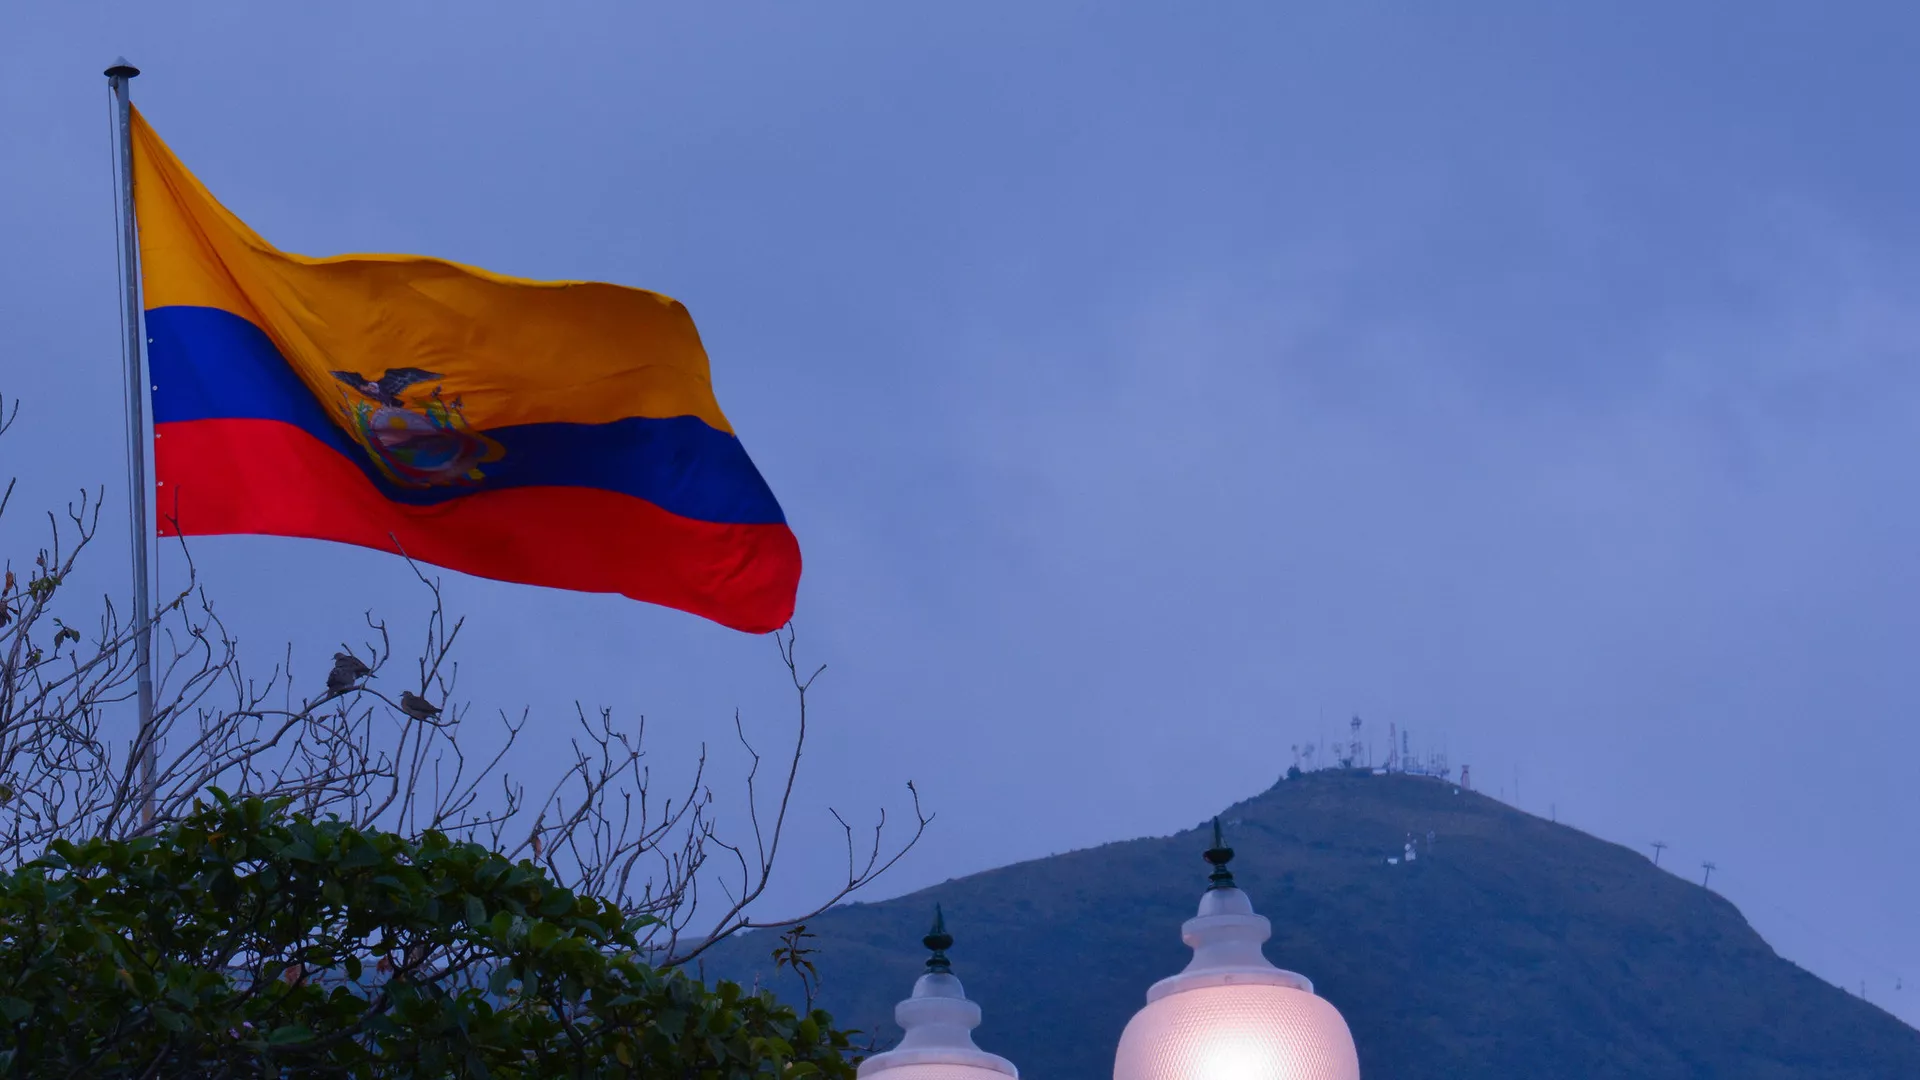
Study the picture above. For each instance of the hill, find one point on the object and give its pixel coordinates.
(1511, 947)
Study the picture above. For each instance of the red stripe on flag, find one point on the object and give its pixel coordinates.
(267, 477)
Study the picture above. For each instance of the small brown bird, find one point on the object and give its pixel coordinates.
(347, 670)
(417, 707)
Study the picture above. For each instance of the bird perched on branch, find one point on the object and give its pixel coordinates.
(347, 670)
(417, 707)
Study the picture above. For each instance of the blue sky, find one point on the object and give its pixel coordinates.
(1150, 388)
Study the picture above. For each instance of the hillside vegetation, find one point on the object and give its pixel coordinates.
(1510, 947)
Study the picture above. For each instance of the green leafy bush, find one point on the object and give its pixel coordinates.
(248, 941)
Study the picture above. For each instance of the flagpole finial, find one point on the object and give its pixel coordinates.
(120, 69)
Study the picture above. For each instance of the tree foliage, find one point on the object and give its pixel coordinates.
(248, 940)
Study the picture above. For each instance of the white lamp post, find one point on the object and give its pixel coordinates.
(1231, 1015)
(938, 1021)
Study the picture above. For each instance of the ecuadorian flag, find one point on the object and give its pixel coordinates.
(559, 433)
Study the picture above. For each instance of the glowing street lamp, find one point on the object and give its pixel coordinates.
(938, 1021)
(1231, 1015)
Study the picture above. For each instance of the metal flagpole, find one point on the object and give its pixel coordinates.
(118, 78)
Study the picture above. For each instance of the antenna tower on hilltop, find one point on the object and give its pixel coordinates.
(1709, 868)
(1353, 744)
(1658, 847)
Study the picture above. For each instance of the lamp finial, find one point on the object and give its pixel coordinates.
(938, 941)
(1219, 855)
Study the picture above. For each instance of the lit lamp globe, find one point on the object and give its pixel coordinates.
(1231, 1015)
(938, 1021)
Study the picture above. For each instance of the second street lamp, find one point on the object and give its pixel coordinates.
(938, 1021)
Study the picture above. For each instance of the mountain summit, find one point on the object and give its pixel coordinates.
(1507, 947)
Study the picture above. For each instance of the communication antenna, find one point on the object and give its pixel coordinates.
(1709, 868)
(1393, 747)
(1353, 743)
(1658, 847)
